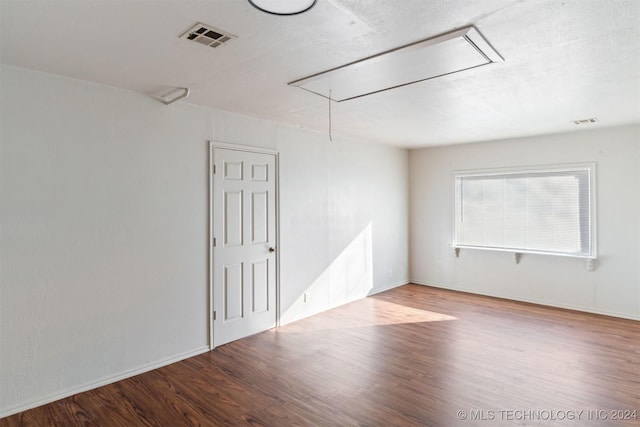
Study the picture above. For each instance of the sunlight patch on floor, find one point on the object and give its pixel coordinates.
(368, 312)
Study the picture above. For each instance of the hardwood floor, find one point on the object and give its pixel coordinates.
(413, 355)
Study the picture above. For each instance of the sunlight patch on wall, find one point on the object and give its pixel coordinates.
(347, 278)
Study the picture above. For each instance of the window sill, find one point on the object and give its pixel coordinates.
(517, 254)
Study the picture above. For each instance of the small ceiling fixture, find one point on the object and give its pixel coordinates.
(283, 7)
(174, 95)
(585, 121)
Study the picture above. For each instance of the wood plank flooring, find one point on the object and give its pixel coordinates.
(411, 356)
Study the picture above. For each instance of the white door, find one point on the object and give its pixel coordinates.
(244, 246)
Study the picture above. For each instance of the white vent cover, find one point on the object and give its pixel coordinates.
(207, 35)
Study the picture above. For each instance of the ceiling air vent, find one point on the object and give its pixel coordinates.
(207, 35)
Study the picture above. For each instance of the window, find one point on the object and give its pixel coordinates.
(549, 211)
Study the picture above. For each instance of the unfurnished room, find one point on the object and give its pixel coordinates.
(320, 213)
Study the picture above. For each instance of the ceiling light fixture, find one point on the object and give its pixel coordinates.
(283, 7)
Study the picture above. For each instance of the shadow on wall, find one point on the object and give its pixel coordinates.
(347, 278)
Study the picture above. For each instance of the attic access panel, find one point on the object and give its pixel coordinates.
(423, 60)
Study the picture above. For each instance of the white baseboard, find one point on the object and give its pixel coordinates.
(102, 382)
(533, 301)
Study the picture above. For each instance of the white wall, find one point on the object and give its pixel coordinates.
(103, 229)
(614, 286)
(344, 220)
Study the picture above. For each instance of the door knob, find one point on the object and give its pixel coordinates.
(272, 249)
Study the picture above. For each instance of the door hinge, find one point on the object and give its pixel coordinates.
(214, 169)
(214, 315)
(214, 242)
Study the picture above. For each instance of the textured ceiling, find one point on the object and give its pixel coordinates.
(564, 60)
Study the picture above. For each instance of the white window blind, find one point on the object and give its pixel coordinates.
(542, 211)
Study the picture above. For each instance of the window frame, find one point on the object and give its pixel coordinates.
(590, 168)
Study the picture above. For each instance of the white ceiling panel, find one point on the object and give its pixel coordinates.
(438, 56)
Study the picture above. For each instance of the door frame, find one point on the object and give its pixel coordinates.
(246, 148)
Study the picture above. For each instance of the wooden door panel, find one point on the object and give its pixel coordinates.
(260, 286)
(259, 217)
(233, 290)
(233, 218)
